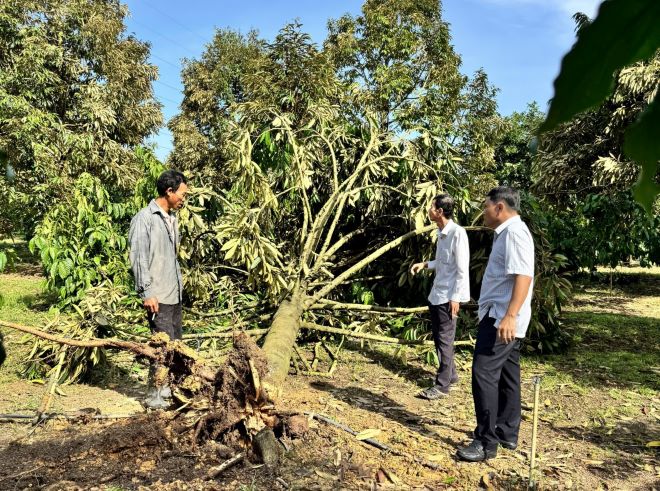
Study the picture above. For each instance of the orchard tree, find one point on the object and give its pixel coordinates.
(75, 96)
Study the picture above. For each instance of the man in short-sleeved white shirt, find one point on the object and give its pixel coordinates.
(504, 314)
(451, 286)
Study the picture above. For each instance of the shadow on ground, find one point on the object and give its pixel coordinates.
(611, 350)
(628, 442)
(388, 408)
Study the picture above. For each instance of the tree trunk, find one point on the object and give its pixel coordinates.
(279, 342)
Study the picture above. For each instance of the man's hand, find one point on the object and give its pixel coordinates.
(151, 304)
(507, 330)
(454, 306)
(417, 267)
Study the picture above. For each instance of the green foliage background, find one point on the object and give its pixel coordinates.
(303, 160)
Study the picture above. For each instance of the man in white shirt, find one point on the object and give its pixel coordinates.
(504, 314)
(451, 286)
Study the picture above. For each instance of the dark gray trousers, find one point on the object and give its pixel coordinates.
(495, 386)
(443, 327)
(167, 320)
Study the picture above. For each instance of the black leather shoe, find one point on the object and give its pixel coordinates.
(476, 452)
(508, 445)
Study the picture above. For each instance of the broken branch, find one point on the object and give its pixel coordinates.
(375, 337)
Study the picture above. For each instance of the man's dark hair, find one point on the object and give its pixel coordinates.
(445, 203)
(507, 194)
(169, 179)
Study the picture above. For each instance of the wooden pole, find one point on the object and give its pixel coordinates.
(532, 462)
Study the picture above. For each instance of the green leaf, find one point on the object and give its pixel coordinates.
(642, 144)
(623, 33)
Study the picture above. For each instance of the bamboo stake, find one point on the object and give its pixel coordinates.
(375, 337)
(532, 462)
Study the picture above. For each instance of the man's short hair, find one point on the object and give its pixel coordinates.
(507, 194)
(445, 203)
(170, 179)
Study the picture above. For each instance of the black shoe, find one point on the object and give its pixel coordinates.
(476, 452)
(432, 393)
(508, 445)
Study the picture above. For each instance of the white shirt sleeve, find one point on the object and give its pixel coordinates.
(433, 263)
(461, 291)
(519, 257)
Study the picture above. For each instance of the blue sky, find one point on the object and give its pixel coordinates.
(519, 43)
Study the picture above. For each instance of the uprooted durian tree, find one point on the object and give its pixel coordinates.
(325, 159)
(311, 171)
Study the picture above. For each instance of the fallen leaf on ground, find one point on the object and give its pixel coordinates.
(337, 457)
(391, 476)
(368, 433)
(325, 475)
(487, 478)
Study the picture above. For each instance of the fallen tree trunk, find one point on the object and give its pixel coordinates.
(279, 342)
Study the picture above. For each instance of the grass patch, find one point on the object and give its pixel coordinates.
(611, 350)
(23, 302)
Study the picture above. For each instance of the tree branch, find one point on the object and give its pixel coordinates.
(375, 337)
(357, 267)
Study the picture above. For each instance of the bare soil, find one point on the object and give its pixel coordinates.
(594, 431)
(366, 393)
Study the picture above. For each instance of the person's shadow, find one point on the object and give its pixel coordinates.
(389, 408)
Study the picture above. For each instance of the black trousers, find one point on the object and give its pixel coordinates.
(443, 327)
(167, 320)
(3, 355)
(496, 386)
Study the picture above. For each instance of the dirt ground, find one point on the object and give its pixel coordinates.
(594, 426)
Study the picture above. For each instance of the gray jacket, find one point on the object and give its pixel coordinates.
(153, 255)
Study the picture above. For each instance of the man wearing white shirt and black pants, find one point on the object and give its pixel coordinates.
(451, 286)
(504, 314)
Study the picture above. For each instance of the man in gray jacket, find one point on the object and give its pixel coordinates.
(154, 242)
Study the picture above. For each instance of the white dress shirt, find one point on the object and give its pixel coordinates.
(451, 265)
(512, 254)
